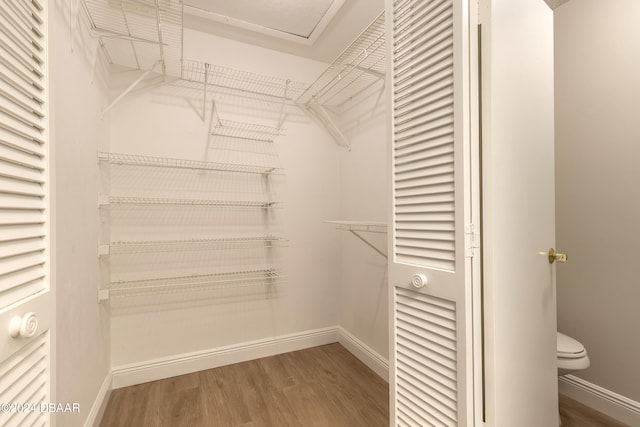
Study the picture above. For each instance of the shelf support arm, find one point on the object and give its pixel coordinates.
(94, 61)
(320, 115)
(204, 95)
(73, 19)
(130, 88)
(374, 73)
(102, 33)
(284, 100)
(366, 242)
(103, 295)
(161, 44)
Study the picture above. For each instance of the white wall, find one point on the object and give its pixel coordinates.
(597, 133)
(164, 121)
(78, 131)
(364, 196)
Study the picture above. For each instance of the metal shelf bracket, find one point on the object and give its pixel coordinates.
(356, 227)
(318, 113)
(135, 83)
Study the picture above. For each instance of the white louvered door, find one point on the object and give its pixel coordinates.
(431, 336)
(25, 295)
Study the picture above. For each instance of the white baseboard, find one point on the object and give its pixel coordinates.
(612, 404)
(366, 354)
(100, 403)
(186, 363)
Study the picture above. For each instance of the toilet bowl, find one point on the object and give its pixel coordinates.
(572, 355)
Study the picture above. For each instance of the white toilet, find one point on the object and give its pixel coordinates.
(572, 355)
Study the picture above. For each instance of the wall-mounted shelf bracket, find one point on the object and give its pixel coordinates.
(282, 116)
(94, 60)
(356, 227)
(161, 44)
(366, 242)
(318, 113)
(135, 83)
(360, 67)
(99, 32)
(374, 73)
(103, 295)
(103, 201)
(74, 7)
(103, 250)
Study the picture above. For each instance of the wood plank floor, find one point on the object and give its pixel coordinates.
(575, 414)
(320, 386)
(317, 387)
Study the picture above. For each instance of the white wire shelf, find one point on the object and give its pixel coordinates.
(147, 35)
(197, 282)
(248, 131)
(367, 226)
(357, 68)
(260, 85)
(139, 33)
(145, 246)
(153, 201)
(165, 162)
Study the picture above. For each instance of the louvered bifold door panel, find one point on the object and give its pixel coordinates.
(423, 117)
(24, 377)
(426, 360)
(428, 273)
(22, 150)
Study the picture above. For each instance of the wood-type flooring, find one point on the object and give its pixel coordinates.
(575, 414)
(322, 386)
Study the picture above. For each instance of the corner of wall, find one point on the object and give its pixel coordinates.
(364, 353)
(96, 412)
(82, 371)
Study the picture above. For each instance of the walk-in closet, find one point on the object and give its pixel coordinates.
(235, 194)
(277, 212)
(216, 192)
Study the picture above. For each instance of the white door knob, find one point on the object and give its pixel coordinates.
(25, 326)
(419, 280)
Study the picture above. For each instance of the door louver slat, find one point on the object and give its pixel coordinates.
(419, 19)
(423, 131)
(435, 45)
(437, 36)
(25, 377)
(25, 374)
(426, 360)
(22, 152)
(428, 169)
